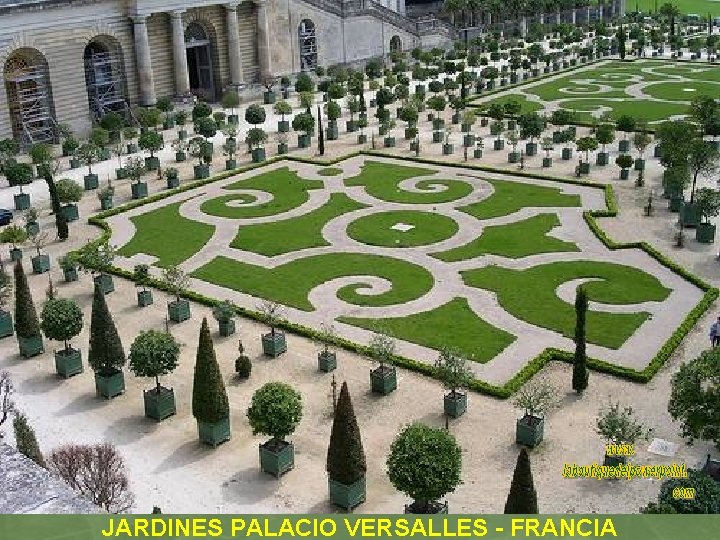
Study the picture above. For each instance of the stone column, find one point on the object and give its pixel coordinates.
(263, 39)
(142, 59)
(573, 14)
(182, 79)
(234, 54)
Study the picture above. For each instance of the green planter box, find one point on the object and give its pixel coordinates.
(347, 497)
(144, 298)
(614, 461)
(168, 123)
(30, 346)
(413, 146)
(180, 156)
(32, 228)
(22, 201)
(120, 173)
(705, 233)
(16, 254)
(531, 149)
(624, 146)
(624, 174)
(70, 274)
(455, 404)
(68, 362)
(269, 97)
(327, 361)
(468, 141)
(557, 136)
(258, 155)
(172, 182)
(182, 134)
(389, 142)
(658, 151)
(139, 190)
(437, 136)
(214, 433)
(410, 133)
(547, 162)
(383, 380)
(601, 159)
(690, 214)
(40, 264)
(283, 126)
(274, 345)
(513, 157)
(159, 406)
(90, 181)
(676, 202)
(566, 154)
(447, 149)
(277, 457)
(455, 119)
(132, 148)
(478, 153)
(109, 386)
(585, 168)
(226, 328)
(75, 163)
(351, 126)
(511, 125)
(201, 171)
(152, 163)
(438, 124)
(529, 431)
(103, 154)
(282, 148)
(107, 285)
(332, 132)
(499, 144)
(106, 203)
(70, 211)
(303, 141)
(230, 164)
(6, 324)
(434, 508)
(362, 139)
(639, 164)
(233, 119)
(179, 310)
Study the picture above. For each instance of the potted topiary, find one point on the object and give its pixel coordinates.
(27, 326)
(255, 139)
(230, 149)
(304, 123)
(231, 100)
(106, 355)
(6, 321)
(15, 236)
(40, 262)
(96, 258)
(197, 149)
(273, 343)
(180, 121)
(641, 140)
(101, 139)
(383, 379)
(547, 146)
(172, 177)
(333, 112)
(176, 281)
(618, 426)
(154, 354)
(41, 154)
(141, 277)
(447, 148)
(453, 371)
(166, 106)
(224, 314)
(626, 124)
(352, 104)
(708, 200)
(269, 95)
(136, 168)
(586, 144)
(89, 153)
(624, 161)
(479, 144)
(243, 364)
(275, 410)
(19, 174)
(362, 136)
(386, 126)
(327, 359)
(346, 466)
(130, 134)
(210, 405)
(151, 142)
(69, 267)
(69, 194)
(62, 320)
(283, 108)
(113, 122)
(285, 87)
(105, 196)
(513, 138)
(535, 399)
(531, 127)
(282, 146)
(425, 464)
(149, 118)
(180, 146)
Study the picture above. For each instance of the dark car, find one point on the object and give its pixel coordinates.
(5, 216)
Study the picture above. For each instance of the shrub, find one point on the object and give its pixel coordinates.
(106, 354)
(707, 494)
(618, 425)
(61, 320)
(304, 83)
(25, 439)
(275, 410)
(346, 457)
(206, 126)
(151, 141)
(26, 319)
(68, 191)
(522, 498)
(624, 161)
(243, 366)
(254, 114)
(210, 401)
(154, 354)
(201, 110)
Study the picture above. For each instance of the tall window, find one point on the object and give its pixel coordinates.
(308, 45)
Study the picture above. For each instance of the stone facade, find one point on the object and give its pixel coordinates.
(51, 51)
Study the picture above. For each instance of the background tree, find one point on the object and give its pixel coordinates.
(210, 401)
(587, 145)
(25, 439)
(522, 498)
(580, 371)
(605, 134)
(26, 319)
(346, 457)
(702, 161)
(63, 231)
(106, 354)
(670, 12)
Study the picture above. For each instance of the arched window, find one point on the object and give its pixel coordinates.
(29, 95)
(308, 45)
(395, 44)
(199, 51)
(105, 77)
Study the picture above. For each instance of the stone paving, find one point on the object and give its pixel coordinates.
(635, 353)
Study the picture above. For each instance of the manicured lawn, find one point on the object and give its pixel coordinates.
(530, 295)
(454, 325)
(381, 180)
(509, 197)
(375, 229)
(640, 109)
(680, 91)
(290, 283)
(526, 106)
(165, 234)
(287, 188)
(514, 240)
(699, 7)
(294, 234)
(330, 171)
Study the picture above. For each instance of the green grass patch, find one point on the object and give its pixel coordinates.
(454, 325)
(640, 109)
(530, 295)
(165, 234)
(381, 180)
(330, 171)
(287, 188)
(290, 283)
(294, 234)
(514, 240)
(676, 91)
(698, 7)
(526, 106)
(375, 229)
(509, 197)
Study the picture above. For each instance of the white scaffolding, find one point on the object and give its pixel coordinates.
(308, 45)
(29, 99)
(105, 84)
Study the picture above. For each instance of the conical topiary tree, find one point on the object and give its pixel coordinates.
(25, 439)
(106, 355)
(27, 326)
(580, 370)
(346, 457)
(210, 402)
(522, 498)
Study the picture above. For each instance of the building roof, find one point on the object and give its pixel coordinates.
(27, 488)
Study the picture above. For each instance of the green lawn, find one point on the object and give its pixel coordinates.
(165, 234)
(526, 106)
(330, 171)
(640, 109)
(375, 229)
(293, 234)
(509, 197)
(381, 181)
(530, 295)
(678, 91)
(698, 7)
(287, 188)
(453, 324)
(515, 240)
(290, 283)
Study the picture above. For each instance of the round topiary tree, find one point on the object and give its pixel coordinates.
(425, 464)
(254, 114)
(154, 354)
(706, 498)
(61, 320)
(68, 191)
(201, 110)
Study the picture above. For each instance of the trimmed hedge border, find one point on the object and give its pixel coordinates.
(533, 366)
